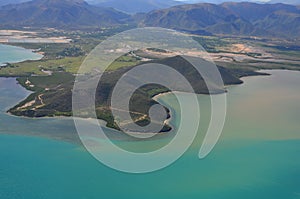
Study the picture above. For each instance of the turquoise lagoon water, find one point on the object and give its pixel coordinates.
(10, 54)
(257, 156)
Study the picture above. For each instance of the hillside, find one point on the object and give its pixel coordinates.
(246, 19)
(53, 94)
(5, 2)
(292, 2)
(138, 6)
(59, 13)
(230, 18)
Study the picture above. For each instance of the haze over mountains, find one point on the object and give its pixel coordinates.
(137, 6)
(244, 18)
(59, 13)
(230, 18)
(130, 5)
(293, 2)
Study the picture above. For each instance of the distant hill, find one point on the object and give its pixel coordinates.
(200, 17)
(292, 2)
(230, 18)
(249, 19)
(7, 2)
(254, 12)
(153, 4)
(59, 13)
(138, 6)
(280, 19)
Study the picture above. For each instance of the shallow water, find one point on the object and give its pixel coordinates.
(256, 157)
(12, 54)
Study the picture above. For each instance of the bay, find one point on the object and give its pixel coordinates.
(13, 54)
(256, 157)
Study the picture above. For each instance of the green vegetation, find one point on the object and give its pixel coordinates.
(124, 61)
(50, 49)
(210, 43)
(42, 82)
(51, 79)
(53, 94)
(51, 97)
(73, 51)
(27, 68)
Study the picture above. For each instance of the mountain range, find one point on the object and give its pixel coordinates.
(6, 2)
(59, 14)
(229, 18)
(292, 2)
(251, 19)
(137, 6)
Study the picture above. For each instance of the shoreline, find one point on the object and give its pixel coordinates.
(102, 122)
(116, 134)
(34, 51)
(155, 98)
